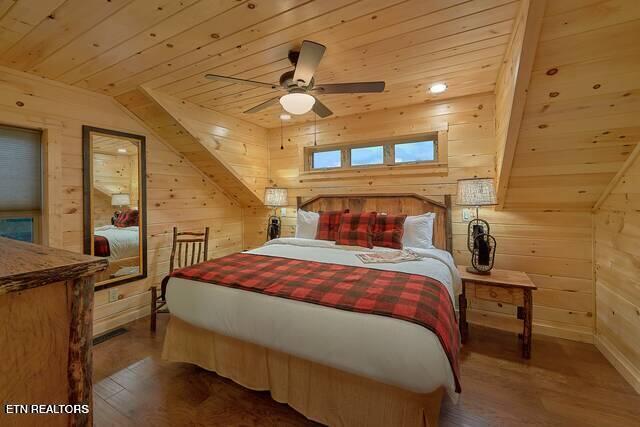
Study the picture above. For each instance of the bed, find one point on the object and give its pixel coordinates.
(121, 247)
(334, 366)
(122, 242)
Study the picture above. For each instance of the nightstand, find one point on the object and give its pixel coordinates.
(503, 286)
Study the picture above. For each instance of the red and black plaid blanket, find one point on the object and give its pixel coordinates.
(410, 297)
(101, 246)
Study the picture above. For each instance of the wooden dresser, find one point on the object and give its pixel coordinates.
(46, 311)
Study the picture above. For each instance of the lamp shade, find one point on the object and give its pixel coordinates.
(275, 196)
(476, 192)
(297, 103)
(120, 199)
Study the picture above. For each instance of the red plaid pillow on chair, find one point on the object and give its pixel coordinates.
(328, 224)
(388, 231)
(356, 229)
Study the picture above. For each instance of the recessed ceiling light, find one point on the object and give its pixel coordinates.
(122, 150)
(438, 88)
(285, 116)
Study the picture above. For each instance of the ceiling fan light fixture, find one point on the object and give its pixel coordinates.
(438, 88)
(297, 103)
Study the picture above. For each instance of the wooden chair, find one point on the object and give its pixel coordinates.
(185, 251)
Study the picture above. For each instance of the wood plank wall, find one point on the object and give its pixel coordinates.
(178, 194)
(617, 265)
(581, 115)
(241, 146)
(554, 247)
(167, 127)
(112, 174)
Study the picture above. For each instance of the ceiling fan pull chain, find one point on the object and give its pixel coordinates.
(281, 135)
(315, 128)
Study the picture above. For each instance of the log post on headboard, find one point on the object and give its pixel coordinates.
(449, 223)
(408, 204)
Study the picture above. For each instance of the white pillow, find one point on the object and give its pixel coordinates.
(418, 231)
(307, 224)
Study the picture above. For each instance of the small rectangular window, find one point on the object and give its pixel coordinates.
(326, 159)
(421, 151)
(367, 156)
(428, 150)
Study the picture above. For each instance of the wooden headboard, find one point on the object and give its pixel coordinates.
(408, 204)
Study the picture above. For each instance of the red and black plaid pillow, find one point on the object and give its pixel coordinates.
(127, 219)
(356, 229)
(388, 231)
(328, 224)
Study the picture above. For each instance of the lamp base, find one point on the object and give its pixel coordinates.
(273, 227)
(478, 272)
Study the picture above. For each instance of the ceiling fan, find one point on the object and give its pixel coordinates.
(300, 84)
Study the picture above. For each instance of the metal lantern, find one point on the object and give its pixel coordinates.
(274, 197)
(483, 254)
(482, 245)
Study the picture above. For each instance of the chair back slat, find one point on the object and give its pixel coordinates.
(183, 250)
(173, 250)
(205, 255)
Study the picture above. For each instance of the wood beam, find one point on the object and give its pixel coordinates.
(616, 179)
(512, 86)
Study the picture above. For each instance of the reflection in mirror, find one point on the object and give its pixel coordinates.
(114, 204)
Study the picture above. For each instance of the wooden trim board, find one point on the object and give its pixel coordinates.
(616, 179)
(621, 364)
(532, 13)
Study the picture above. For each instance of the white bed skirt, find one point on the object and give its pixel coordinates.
(322, 394)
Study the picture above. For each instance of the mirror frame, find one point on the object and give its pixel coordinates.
(87, 184)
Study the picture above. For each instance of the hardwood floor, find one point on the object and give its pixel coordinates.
(564, 384)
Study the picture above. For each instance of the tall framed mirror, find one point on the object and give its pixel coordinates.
(115, 202)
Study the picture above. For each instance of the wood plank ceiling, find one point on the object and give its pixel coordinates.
(113, 46)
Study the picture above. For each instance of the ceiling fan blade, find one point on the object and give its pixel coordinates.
(356, 87)
(264, 105)
(240, 81)
(320, 109)
(310, 55)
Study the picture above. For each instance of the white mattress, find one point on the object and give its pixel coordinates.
(124, 242)
(385, 349)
